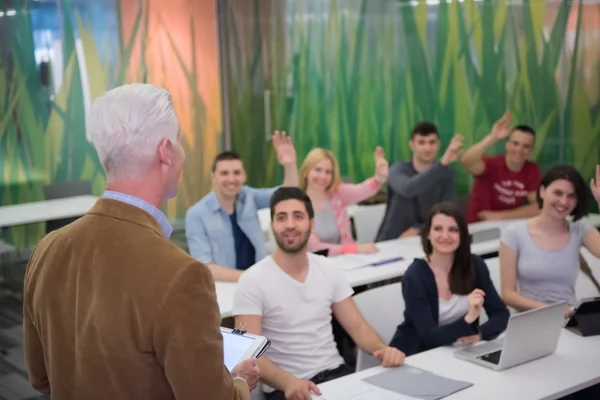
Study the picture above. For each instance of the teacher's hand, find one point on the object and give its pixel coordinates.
(249, 371)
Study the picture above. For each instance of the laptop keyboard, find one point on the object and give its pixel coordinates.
(493, 358)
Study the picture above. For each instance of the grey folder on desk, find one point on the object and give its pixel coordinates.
(417, 383)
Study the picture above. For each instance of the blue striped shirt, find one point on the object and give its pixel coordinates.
(157, 214)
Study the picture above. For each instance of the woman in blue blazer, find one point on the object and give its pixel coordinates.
(445, 292)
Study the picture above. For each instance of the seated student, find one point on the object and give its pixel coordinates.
(290, 297)
(504, 182)
(539, 257)
(222, 229)
(320, 178)
(444, 293)
(415, 186)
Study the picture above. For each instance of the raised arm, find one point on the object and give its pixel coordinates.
(188, 342)
(508, 281)
(286, 156)
(472, 159)
(591, 238)
(353, 194)
(402, 182)
(412, 186)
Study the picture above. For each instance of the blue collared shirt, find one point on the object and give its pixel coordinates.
(158, 215)
(209, 231)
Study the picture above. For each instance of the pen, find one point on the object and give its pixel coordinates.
(390, 260)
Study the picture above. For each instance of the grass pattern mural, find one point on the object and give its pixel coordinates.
(45, 142)
(351, 74)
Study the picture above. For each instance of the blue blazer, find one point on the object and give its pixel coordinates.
(420, 330)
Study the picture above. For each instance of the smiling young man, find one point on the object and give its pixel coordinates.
(503, 183)
(290, 298)
(415, 186)
(222, 229)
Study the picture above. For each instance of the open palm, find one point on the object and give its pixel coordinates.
(286, 153)
(595, 184)
(501, 128)
(381, 165)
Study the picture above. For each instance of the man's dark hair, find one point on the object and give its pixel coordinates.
(225, 156)
(291, 193)
(569, 173)
(424, 128)
(524, 128)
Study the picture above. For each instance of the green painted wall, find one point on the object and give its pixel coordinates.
(349, 75)
(344, 74)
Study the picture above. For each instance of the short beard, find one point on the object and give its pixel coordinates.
(295, 249)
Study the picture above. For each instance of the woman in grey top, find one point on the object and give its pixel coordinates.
(539, 257)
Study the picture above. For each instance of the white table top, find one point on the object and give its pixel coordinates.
(47, 210)
(574, 366)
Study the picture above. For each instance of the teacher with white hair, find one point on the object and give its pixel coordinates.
(112, 308)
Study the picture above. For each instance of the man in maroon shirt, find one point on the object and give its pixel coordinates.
(505, 185)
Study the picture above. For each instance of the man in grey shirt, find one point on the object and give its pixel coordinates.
(415, 186)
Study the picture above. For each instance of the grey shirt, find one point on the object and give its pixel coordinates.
(326, 225)
(410, 196)
(543, 275)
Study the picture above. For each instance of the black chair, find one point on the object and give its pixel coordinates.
(61, 191)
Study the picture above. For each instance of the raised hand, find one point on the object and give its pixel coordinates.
(475, 300)
(595, 184)
(454, 150)
(381, 166)
(286, 153)
(501, 128)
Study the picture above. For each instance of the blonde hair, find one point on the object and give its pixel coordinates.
(315, 156)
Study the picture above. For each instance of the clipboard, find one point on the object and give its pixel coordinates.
(585, 320)
(238, 345)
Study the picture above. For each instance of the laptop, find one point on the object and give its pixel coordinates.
(530, 335)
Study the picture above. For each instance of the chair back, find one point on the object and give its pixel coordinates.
(383, 309)
(367, 220)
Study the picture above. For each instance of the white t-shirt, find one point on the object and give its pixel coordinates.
(296, 317)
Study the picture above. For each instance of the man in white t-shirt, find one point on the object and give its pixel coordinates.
(289, 297)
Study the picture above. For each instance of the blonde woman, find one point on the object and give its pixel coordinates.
(320, 179)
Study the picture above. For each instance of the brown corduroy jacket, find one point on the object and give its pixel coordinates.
(114, 310)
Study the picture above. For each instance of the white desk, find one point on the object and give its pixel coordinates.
(47, 210)
(574, 366)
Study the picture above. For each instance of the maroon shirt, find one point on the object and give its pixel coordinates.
(499, 188)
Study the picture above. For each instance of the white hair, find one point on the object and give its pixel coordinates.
(126, 125)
